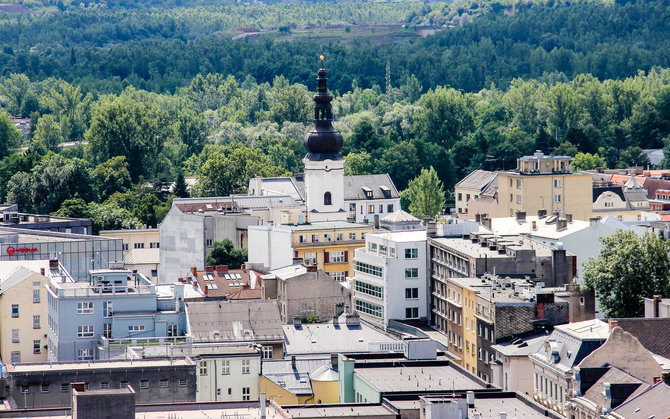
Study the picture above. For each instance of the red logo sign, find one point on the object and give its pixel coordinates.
(11, 250)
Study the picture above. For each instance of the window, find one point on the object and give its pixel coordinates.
(246, 363)
(209, 242)
(389, 208)
(352, 236)
(25, 389)
(339, 237)
(84, 354)
(327, 200)
(36, 296)
(123, 384)
(369, 289)
(225, 367)
(557, 183)
(511, 197)
(336, 257)
(460, 196)
(412, 312)
(203, 368)
(302, 239)
(140, 245)
(15, 335)
(37, 347)
(36, 321)
(154, 245)
(136, 328)
(383, 250)
(411, 272)
(104, 385)
(182, 382)
(107, 309)
(411, 293)
(338, 276)
(124, 246)
(327, 237)
(371, 209)
(381, 208)
(45, 388)
(16, 357)
(163, 383)
(267, 352)
(107, 330)
(172, 329)
(557, 198)
(518, 199)
(518, 183)
(85, 307)
(372, 247)
(65, 387)
(144, 384)
(15, 310)
(411, 253)
(369, 308)
(246, 393)
(315, 238)
(368, 269)
(85, 331)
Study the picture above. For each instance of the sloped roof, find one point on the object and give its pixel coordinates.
(325, 373)
(19, 275)
(234, 284)
(652, 402)
(623, 386)
(293, 379)
(353, 187)
(651, 332)
(400, 216)
(142, 256)
(477, 179)
(242, 320)
(618, 190)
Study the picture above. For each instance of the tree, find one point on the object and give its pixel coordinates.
(357, 164)
(224, 253)
(73, 208)
(588, 161)
(47, 134)
(291, 103)
(9, 135)
(445, 118)
(628, 269)
(425, 194)
(112, 176)
(180, 189)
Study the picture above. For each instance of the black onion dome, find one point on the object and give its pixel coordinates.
(323, 138)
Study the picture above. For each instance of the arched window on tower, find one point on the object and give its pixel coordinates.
(327, 199)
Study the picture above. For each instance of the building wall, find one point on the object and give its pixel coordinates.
(539, 191)
(462, 199)
(366, 210)
(321, 177)
(313, 293)
(325, 392)
(270, 246)
(483, 205)
(470, 329)
(181, 384)
(76, 256)
(214, 384)
(133, 239)
(24, 324)
(279, 394)
(364, 392)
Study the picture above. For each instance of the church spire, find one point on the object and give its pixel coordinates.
(323, 141)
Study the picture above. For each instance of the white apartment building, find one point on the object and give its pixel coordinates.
(390, 277)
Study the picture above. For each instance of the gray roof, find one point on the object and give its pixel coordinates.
(241, 320)
(326, 338)
(293, 379)
(532, 344)
(653, 402)
(417, 378)
(571, 343)
(353, 187)
(400, 216)
(15, 278)
(340, 411)
(478, 179)
(615, 376)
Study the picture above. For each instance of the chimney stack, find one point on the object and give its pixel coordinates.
(521, 216)
(194, 271)
(470, 397)
(293, 361)
(613, 323)
(261, 403)
(568, 217)
(657, 302)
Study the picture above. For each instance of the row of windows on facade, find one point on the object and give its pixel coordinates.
(549, 388)
(383, 250)
(377, 291)
(152, 245)
(104, 385)
(557, 198)
(328, 237)
(378, 311)
(246, 392)
(36, 299)
(225, 366)
(366, 268)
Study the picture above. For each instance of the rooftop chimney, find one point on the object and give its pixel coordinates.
(42, 272)
(353, 319)
(297, 322)
(657, 302)
(470, 397)
(578, 382)
(607, 395)
(293, 361)
(561, 224)
(333, 360)
(521, 216)
(568, 218)
(221, 268)
(613, 323)
(205, 289)
(261, 405)
(311, 268)
(376, 221)
(194, 271)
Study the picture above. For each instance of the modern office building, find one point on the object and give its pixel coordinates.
(78, 253)
(390, 277)
(11, 217)
(115, 304)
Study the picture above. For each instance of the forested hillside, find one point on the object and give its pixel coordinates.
(144, 96)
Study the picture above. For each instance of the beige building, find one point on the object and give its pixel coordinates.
(23, 316)
(141, 251)
(545, 183)
(471, 188)
(625, 203)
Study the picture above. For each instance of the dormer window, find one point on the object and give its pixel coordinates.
(327, 200)
(386, 191)
(368, 192)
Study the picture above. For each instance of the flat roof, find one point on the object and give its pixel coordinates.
(588, 329)
(98, 365)
(194, 350)
(515, 408)
(400, 236)
(338, 411)
(326, 225)
(466, 246)
(41, 236)
(417, 378)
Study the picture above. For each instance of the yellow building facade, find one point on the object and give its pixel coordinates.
(545, 183)
(23, 317)
(330, 245)
(470, 329)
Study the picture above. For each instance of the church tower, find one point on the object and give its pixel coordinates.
(324, 165)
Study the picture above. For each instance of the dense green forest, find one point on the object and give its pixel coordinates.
(123, 101)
